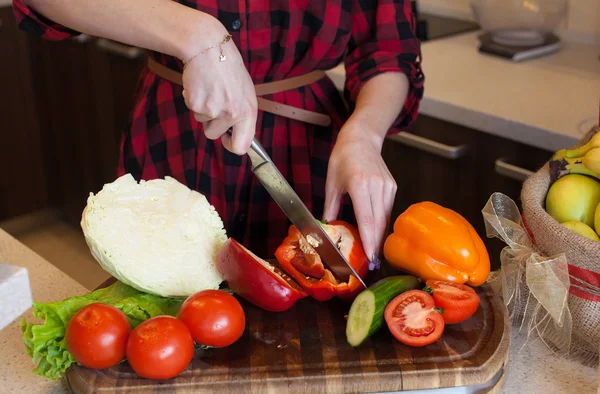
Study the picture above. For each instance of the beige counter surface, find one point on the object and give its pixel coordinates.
(530, 370)
(47, 284)
(549, 102)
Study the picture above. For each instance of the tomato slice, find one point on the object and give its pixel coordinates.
(412, 319)
(458, 301)
(255, 280)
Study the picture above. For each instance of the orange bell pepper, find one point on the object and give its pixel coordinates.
(433, 242)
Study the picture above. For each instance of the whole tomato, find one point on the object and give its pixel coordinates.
(215, 318)
(97, 336)
(160, 348)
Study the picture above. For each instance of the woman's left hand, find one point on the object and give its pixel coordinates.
(357, 168)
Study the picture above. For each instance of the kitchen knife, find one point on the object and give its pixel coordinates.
(287, 199)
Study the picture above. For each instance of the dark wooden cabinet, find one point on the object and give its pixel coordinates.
(63, 107)
(22, 177)
(458, 168)
(87, 86)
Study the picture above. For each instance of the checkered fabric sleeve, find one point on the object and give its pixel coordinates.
(33, 22)
(383, 39)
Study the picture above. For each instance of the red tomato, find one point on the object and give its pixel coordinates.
(214, 318)
(458, 301)
(160, 348)
(412, 319)
(97, 336)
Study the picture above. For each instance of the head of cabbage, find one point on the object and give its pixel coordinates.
(157, 236)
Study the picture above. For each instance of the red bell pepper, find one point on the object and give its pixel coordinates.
(297, 257)
(255, 280)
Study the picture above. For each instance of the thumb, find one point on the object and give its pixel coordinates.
(333, 199)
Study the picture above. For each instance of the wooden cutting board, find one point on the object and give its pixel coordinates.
(304, 350)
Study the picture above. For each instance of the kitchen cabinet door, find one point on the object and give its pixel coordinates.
(505, 165)
(87, 88)
(22, 180)
(434, 162)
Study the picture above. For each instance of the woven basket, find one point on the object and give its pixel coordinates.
(583, 258)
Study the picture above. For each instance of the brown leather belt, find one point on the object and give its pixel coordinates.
(284, 110)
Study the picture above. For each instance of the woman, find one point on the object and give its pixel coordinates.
(208, 55)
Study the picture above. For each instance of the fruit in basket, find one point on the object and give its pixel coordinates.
(584, 160)
(593, 143)
(573, 197)
(433, 242)
(597, 219)
(582, 229)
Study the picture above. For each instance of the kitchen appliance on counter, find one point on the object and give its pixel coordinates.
(519, 29)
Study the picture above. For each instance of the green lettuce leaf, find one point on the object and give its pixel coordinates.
(45, 342)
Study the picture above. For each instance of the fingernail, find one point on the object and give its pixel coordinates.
(375, 263)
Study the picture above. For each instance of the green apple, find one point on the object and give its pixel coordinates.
(597, 219)
(573, 197)
(582, 229)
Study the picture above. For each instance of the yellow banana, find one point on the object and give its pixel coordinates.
(586, 165)
(592, 160)
(593, 143)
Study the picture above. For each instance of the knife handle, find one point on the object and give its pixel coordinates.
(257, 153)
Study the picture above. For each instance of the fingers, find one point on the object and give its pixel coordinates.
(363, 209)
(241, 137)
(333, 199)
(202, 118)
(389, 197)
(373, 200)
(379, 213)
(214, 129)
(223, 98)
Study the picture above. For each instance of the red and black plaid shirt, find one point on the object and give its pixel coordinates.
(277, 39)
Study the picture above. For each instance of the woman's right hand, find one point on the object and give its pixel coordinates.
(221, 94)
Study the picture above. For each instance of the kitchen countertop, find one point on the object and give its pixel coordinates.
(529, 371)
(549, 102)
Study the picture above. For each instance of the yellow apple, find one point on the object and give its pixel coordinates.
(573, 197)
(582, 229)
(597, 219)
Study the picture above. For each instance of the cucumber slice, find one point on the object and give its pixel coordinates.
(366, 312)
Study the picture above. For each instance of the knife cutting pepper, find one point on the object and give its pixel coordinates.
(298, 258)
(434, 242)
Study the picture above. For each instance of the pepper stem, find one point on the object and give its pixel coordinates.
(428, 289)
(439, 310)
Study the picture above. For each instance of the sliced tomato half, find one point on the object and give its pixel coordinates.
(413, 320)
(458, 301)
(255, 280)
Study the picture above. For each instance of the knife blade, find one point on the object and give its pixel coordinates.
(291, 204)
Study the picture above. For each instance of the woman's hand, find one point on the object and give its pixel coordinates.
(357, 168)
(221, 94)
